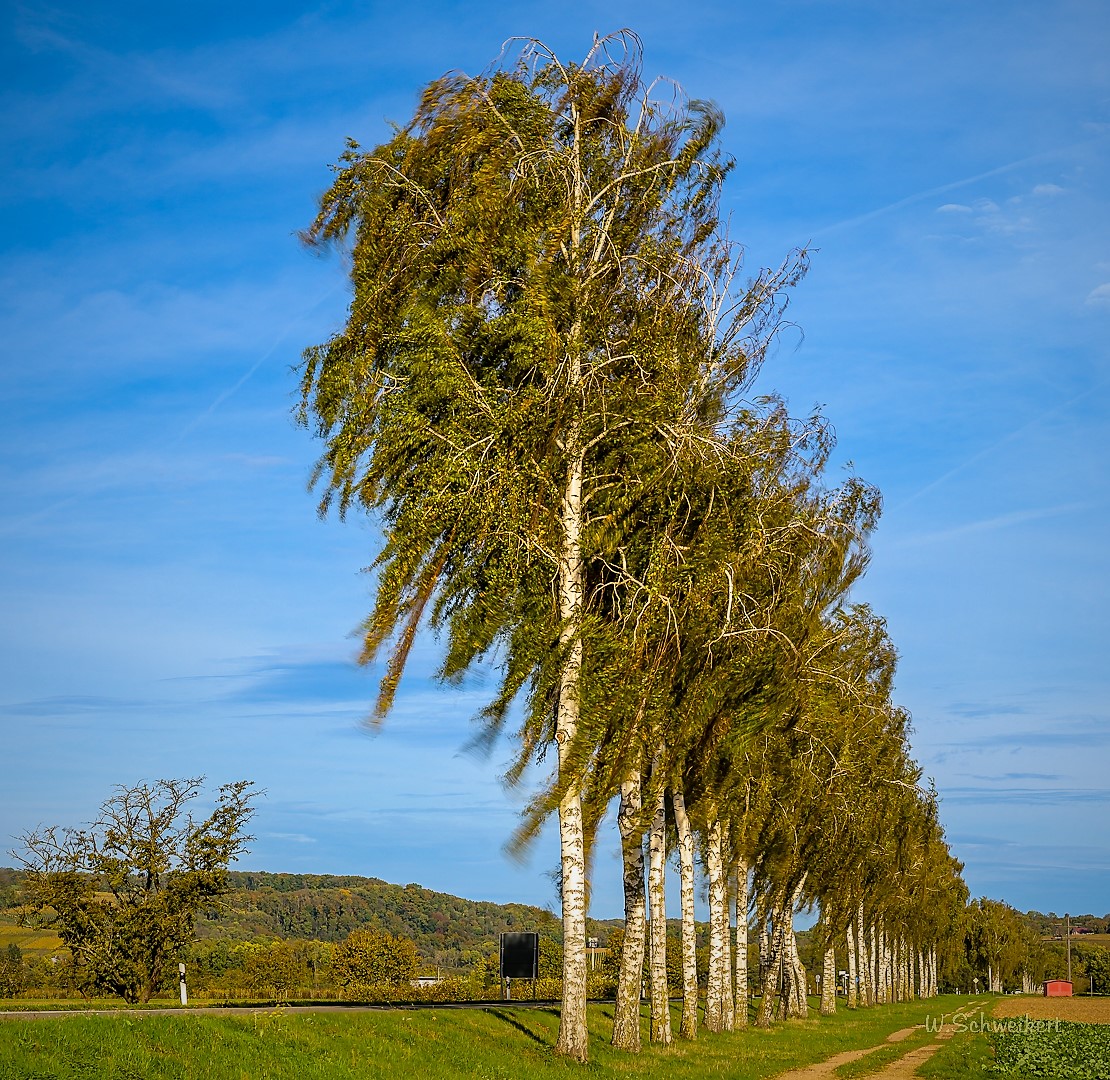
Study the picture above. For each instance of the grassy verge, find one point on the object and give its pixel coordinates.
(881, 1057)
(489, 1044)
(965, 1056)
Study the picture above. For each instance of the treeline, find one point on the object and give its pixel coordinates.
(1053, 925)
(546, 394)
(997, 949)
(446, 929)
(407, 934)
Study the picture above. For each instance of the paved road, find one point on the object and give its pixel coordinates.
(240, 1010)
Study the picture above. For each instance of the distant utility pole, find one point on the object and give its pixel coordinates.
(1067, 935)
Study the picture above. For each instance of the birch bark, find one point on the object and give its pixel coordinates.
(796, 1002)
(828, 982)
(864, 958)
(719, 990)
(770, 972)
(657, 900)
(742, 996)
(626, 1016)
(573, 1036)
(853, 972)
(688, 1028)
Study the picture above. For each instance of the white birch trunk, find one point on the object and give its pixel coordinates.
(688, 1027)
(573, 1038)
(726, 933)
(853, 972)
(797, 1004)
(872, 964)
(868, 987)
(878, 947)
(741, 1004)
(892, 967)
(764, 952)
(657, 899)
(770, 970)
(626, 1015)
(720, 979)
(828, 981)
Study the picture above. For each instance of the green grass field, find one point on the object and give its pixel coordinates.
(507, 1042)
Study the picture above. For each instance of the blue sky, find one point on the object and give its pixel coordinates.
(170, 603)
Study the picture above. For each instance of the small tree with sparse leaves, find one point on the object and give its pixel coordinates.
(122, 894)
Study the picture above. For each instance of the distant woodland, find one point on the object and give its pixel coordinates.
(295, 935)
(447, 930)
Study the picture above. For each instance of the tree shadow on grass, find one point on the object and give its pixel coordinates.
(513, 1022)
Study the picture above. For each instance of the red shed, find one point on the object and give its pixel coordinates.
(1057, 988)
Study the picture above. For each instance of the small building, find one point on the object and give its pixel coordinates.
(1057, 988)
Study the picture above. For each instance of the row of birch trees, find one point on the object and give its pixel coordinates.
(543, 394)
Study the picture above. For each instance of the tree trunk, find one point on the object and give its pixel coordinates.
(868, 987)
(888, 967)
(853, 971)
(657, 900)
(719, 990)
(828, 979)
(573, 1038)
(770, 971)
(797, 1005)
(688, 1028)
(741, 1006)
(764, 952)
(626, 1016)
(726, 934)
(878, 950)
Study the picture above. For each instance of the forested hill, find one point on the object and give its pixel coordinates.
(327, 908)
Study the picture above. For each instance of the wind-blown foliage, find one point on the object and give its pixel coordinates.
(543, 328)
(539, 395)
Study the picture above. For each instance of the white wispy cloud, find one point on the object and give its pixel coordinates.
(954, 185)
(1100, 295)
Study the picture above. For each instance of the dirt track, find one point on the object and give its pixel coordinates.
(1081, 1010)
(902, 1069)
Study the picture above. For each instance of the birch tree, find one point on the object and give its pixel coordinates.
(544, 316)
